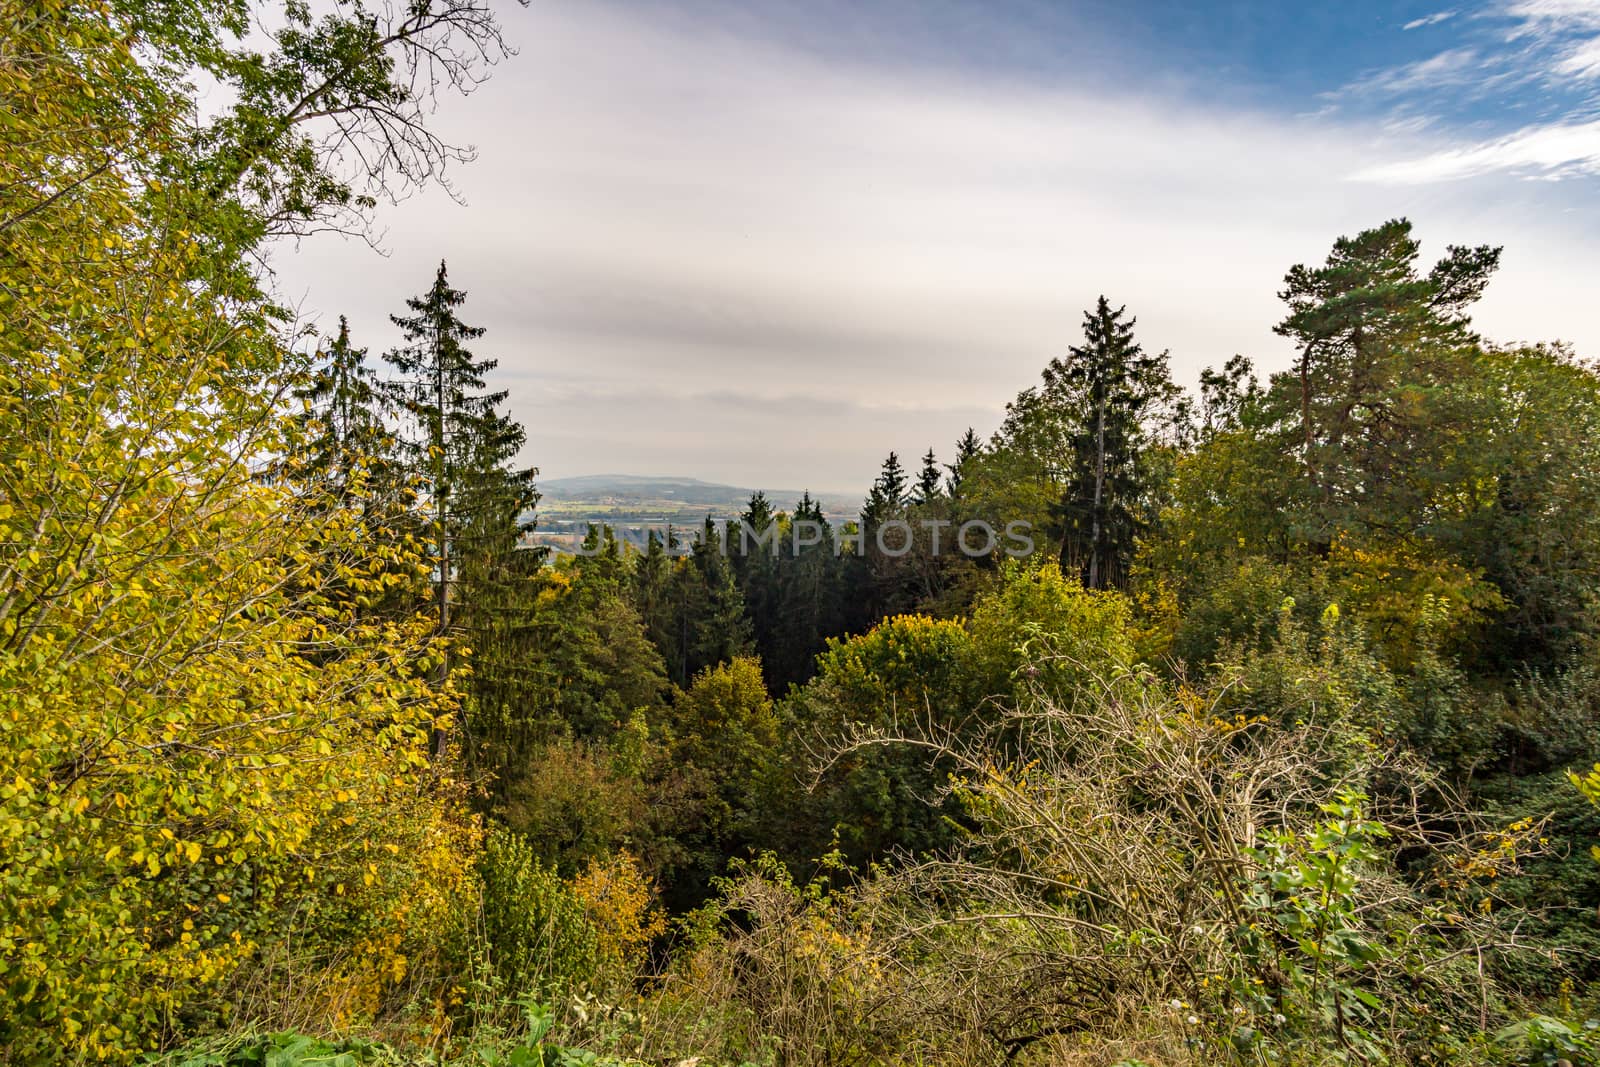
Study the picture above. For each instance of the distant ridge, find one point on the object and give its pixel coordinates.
(694, 492)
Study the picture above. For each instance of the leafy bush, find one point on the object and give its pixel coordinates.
(537, 933)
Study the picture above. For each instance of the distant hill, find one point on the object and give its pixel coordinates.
(652, 491)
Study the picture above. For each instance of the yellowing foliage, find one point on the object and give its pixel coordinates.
(619, 902)
(1407, 598)
(205, 757)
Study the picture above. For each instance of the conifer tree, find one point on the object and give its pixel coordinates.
(1117, 389)
(884, 576)
(345, 458)
(754, 544)
(810, 591)
(888, 493)
(1378, 339)
(709, 615)
(651, 581)
(929, 479)
(966, 448)
(347, 439)
(460, 445)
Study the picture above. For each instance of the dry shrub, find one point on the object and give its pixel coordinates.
(776, 972)
(1145, 879)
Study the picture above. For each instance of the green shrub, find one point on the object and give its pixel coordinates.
(537, 933)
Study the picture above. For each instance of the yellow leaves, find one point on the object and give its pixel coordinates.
(618, 901)
(160, 659)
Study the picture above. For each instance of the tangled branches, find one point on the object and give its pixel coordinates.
(1135, 862)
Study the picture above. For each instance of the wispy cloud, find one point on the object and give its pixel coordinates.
(1429, 20)
(1551, 17)
(1561, 36)
(1581, 61)
(1523, 86)
(1453, 67)
(1551, 151)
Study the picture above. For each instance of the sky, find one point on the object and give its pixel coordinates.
(765, 244)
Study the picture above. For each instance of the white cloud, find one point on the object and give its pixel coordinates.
(1558, 150)
(1541, 74)
(1581, 61)
(1564, 36)
(1536, 17)
(1429, 20)
(1455, 66)
(867, 258)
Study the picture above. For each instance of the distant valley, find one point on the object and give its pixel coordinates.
(633, 505)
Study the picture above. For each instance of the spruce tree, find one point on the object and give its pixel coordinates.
(346, 440)
(460, 448)
(809, 593)
(966, 448)
(884, 575)
(708, 615)
(460, 445)
(754, 543)
(347, 459)
(890, 488)
(1117, 390)
(929, 479)
(651, 590)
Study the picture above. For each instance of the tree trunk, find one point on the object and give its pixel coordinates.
(1099, 484)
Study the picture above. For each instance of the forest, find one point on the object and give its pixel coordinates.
(1279, 748)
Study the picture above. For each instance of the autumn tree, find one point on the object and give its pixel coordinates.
(201, 744)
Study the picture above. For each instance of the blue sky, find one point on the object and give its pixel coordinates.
(766, 243)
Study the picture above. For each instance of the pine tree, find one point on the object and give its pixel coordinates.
(1377, 340)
